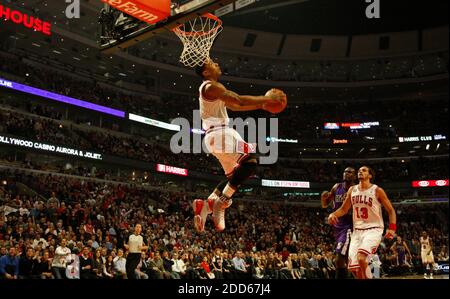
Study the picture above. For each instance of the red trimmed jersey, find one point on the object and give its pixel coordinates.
(367, 208)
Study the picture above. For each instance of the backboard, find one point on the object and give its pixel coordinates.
(119, 31)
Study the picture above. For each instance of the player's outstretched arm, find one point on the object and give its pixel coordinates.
(343, 210)
(236, 102)
(326, 196)
(390, 233)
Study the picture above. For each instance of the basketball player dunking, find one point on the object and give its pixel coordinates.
(223, 142)
(343, 228)
(367, 200)
(426, 255)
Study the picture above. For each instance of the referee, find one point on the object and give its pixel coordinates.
(135, 246)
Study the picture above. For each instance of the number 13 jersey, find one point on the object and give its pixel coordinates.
(367, 208)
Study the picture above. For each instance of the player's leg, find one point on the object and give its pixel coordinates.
(431, 261)
(245, 162)
(353, 265)
(202, 208)
(424, 264)
(343, 242)
(341, 266)
(370, 240)
(363, 265)
(243, 170)
(238, 165)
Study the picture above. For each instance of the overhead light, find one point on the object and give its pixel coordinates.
(36, 45)
(76, 58)
(394, 148)
(438, 145)
(373, 149)
(56, 52)
(427, 147)
(122, 74)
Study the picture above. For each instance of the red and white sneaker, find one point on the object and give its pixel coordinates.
(218, 212)
(201, 210)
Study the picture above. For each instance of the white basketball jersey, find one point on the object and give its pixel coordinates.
(425, 244)
(213, 112)
(367, 209)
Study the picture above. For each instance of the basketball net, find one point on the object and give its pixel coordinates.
(198, 36)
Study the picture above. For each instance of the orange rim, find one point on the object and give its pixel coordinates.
(200, 33)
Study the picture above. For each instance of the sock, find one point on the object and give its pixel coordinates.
(218, 191)
(229, 191)
(214, 195)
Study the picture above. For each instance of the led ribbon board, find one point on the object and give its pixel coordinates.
(50, 147)
(285, 184)
(171, 170)
(430, 183)
(60, 98)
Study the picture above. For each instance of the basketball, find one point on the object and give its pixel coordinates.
(278, 107)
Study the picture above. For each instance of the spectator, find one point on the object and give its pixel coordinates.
(53, 201)
(9, 265)
(120, 265)
(217, 262)
(206, 268)
(98, 263)
(240, 269)
(27, 263)
(108, 268)
(43, 268)
(60, 259)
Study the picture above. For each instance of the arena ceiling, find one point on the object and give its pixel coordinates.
(323, 17)
(339, 17)
(309, 16)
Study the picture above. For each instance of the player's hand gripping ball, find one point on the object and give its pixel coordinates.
(279, 102)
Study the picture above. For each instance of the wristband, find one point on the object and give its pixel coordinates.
(393, 227)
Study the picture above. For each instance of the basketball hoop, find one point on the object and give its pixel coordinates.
(198, 36)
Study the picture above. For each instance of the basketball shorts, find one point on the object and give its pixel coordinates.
(342, 236)
(363, 241)
(427, 258)
(228, 147)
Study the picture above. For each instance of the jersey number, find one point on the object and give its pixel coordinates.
(362, 213)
